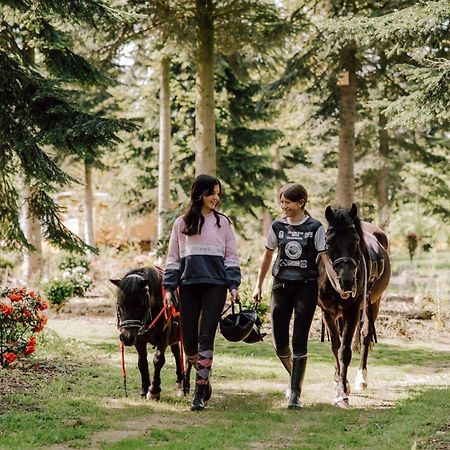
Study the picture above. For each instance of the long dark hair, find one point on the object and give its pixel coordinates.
(295, 192)
(202, 186)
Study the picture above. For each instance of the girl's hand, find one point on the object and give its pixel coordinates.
(234, 295)
(168, 299)
(257, 295)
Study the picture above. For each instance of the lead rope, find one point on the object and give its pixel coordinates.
(124, 372)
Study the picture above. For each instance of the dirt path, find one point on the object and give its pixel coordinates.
(387, 383)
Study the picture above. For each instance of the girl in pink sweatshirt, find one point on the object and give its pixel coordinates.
(202, 261)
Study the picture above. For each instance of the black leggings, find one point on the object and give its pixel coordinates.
(299, 297)
(201, 306)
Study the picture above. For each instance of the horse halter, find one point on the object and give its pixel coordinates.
(135, 323)
(345, 259)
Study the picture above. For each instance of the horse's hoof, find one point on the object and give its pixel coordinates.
(342, 403)
(360, 380)
(179, 391)
(151, 396)
(360, 387)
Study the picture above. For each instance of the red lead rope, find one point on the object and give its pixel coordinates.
(124, 373)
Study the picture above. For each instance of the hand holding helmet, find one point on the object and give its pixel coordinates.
(234, 295)
(257, 294)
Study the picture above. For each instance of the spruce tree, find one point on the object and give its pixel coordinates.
(39, 116)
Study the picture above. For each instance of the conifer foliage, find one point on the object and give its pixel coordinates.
(39, 115)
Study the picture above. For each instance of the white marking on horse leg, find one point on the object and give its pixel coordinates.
(341, 402)
(179, 388)
(361, 380)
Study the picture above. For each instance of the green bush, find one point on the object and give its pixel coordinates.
(245, 292)
(74, 261)
(6, 263)
(75, 271)
(58, 292)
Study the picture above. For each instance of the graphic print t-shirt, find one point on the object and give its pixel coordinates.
(298, 246)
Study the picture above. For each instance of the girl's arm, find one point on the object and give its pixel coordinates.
(171, 276)
(232, 266)
(263, 269)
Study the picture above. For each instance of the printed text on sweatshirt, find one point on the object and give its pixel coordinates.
(209, 257)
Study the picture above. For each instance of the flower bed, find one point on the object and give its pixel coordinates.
(21, 318)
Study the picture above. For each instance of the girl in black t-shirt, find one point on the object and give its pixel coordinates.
(299, 239)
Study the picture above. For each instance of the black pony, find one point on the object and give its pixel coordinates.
(350, 290)
(139, 303)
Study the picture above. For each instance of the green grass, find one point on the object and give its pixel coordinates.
(88, 397)
(255, 424)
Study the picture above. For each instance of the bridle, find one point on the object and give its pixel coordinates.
(344, 259)
(135, 323)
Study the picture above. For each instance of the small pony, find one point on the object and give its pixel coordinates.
(358, 255)
(143, 319)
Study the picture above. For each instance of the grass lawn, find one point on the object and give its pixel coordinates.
(75, 399)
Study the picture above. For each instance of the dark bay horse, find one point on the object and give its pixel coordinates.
(350, 290)
(139, 302)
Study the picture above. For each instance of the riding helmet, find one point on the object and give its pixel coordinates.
(236, 327)
(255, 334)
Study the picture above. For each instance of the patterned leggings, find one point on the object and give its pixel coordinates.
(201, 306)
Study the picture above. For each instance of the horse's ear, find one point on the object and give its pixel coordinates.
(329, 213)
(115, 281)
(353, 211)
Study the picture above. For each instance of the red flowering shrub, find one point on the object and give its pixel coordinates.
(21, 316)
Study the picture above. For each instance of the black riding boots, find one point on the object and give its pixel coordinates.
(198, 400)
(202, 394)
(298, 374)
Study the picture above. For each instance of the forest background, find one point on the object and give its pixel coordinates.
(109, 111)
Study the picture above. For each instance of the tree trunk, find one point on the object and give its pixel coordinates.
(383, 174)
(164, 147)
(276, 165)
(88, 205)
(32, 262)
(345, 191)
(205, 135)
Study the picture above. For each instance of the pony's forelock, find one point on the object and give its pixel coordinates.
(342, 219)
(131, 283)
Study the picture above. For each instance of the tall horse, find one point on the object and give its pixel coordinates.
(350, 288)
(139, 304)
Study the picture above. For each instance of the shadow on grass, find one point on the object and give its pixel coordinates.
(380, 354)
(260, 421)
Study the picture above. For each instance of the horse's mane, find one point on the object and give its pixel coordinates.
(129, 285)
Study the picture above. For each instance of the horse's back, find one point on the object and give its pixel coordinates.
(379, 285)
(377, 232)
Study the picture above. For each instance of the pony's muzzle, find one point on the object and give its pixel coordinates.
(127, 338)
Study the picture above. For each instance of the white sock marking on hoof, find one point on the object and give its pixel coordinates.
(361, 380)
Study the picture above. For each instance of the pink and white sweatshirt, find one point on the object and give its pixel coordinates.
(209, 257)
